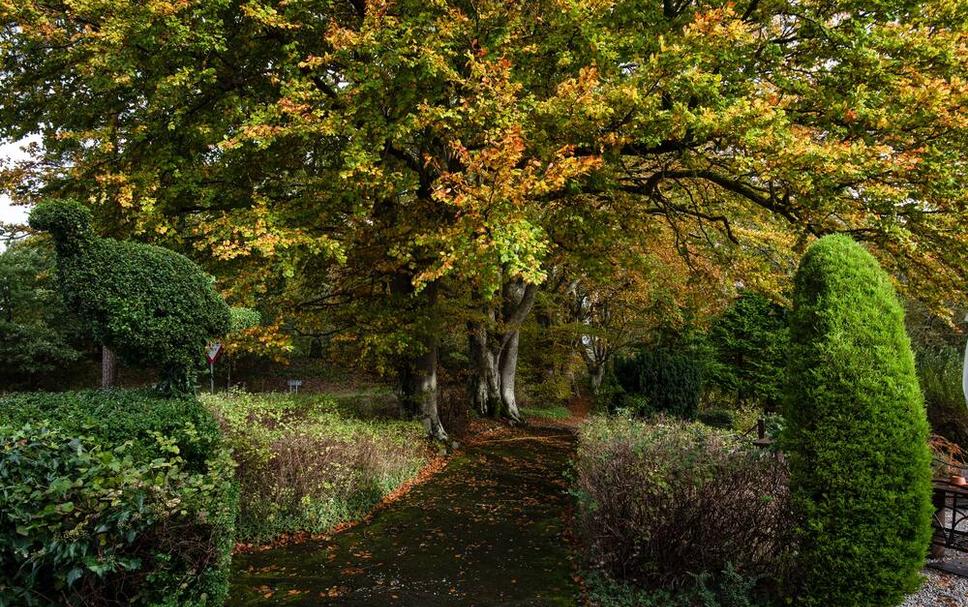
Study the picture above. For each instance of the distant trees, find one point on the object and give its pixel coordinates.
(37, 336)
(751, 342)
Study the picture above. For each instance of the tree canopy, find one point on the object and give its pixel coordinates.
(344, 160)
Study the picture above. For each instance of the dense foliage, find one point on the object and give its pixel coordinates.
(36, 332)
(392, 171)
(113, 498)
(152, 306)
(856, 435)
(663, 501)
(750, 342)
(940, 375)
(308, 463)
(661, 380)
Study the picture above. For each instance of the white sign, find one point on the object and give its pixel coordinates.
(213, 351)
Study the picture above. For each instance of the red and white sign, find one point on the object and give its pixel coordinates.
(213, 351)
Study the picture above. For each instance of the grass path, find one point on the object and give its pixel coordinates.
(487, 530)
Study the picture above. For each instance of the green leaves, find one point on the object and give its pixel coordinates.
(112, 514)
(857, 433)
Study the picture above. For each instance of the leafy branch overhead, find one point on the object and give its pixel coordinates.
(266, 136)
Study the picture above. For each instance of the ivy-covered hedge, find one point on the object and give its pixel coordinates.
(113, 498)
(153, 306)
(856, 435)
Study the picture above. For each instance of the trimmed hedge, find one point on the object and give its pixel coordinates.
(153, 306)
(113, 498)
(856, 435)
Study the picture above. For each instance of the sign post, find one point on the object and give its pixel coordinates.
(212, 352)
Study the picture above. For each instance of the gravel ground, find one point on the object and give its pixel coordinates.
(940, 590)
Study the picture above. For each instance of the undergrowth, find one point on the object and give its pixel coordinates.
(310, 462)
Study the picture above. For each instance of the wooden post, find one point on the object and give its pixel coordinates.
(109, 368)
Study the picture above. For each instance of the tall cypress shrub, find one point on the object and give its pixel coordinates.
(856, 435)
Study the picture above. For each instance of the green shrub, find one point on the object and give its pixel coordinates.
(750, 341)
(308, 462)
(727, 589)
(940, 376)
(37, 336)
(122, 500)
(669, 381)
(856, 434)
(152, 306)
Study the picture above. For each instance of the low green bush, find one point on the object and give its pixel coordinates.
(727, 589)
(113, 498)
(309, 462)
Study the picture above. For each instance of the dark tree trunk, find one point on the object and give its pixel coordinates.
(425, 390)
(109, 368)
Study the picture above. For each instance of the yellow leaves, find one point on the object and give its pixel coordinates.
(718, 26)
(342, 38)
(267, 16)
(119, 185)
(167, 8)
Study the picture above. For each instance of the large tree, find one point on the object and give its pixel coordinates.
(428, 154)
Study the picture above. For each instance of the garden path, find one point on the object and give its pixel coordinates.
(486, 530)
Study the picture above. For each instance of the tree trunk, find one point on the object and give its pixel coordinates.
(508, 371)
(596, 374)
(425, 384)
(493, 346)
(109, 368)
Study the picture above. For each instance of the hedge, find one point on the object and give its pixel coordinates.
(113, 498)
(153, 306)
(856, 435)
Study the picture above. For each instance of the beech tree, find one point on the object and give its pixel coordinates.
(428, 162)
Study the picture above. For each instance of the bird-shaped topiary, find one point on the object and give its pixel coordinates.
(152, 306)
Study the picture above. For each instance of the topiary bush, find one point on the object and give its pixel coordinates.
(660, 380)
(856, 434)
(113, 498)
(152, 306)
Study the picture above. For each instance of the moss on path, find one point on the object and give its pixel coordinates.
(487, 530)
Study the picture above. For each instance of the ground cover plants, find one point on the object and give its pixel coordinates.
(310, 462)
(663, 501)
